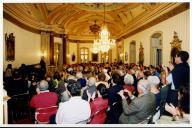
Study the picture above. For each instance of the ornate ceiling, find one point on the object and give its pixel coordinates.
(75, 19)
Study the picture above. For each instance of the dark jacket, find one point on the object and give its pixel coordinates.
(181, 75)
(115, 104)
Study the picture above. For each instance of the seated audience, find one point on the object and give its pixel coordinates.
(106, 74)
(180, 114)
(154, 87)
(114, 99)
(101, 79)
(163, 92)
(128, 80)
(122, 93)
(74, 111)
(56, 79)
(44, 98)
(91, 88)
(80, 79)
(17, 85)
(99, 104)
(140, 108)
(32, 85)
(63, 94)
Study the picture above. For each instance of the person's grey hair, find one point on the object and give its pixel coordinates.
(43, 85)
(81, 68)
(153, 81)
(104, 71)
(71, 77)
(79, 75)
(128, 79)
(144, 85)
(91, 81)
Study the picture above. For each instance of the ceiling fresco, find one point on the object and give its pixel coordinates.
(75, 19)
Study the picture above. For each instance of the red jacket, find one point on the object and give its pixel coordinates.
(44, 99)
(96, 105)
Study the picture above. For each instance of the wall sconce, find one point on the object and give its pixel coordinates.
(121, 55)
(68, 55)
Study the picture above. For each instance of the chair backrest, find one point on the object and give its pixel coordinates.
(156, 116)
(148, 120)
(42, 115)
(97, 113)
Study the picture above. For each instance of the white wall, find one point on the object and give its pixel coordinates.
(27, 45)
(178, 23)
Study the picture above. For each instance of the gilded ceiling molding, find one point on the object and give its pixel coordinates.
(182, 7)
(79, 41)
(69, 19)
(18, 23)
(141, 20)
(52, 18)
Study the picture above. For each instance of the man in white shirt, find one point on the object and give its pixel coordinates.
(74, 111)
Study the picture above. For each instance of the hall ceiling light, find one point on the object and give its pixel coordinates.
(104, 43)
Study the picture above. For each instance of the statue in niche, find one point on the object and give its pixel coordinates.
(175, 47)
(141, 54)
(10, 47)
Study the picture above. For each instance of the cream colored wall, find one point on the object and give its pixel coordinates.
(114, 53)
(178, 23)
(72, 49)
(27, 45)
(57, 40)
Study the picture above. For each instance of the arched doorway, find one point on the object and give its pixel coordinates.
(132, 54)
(156, 49)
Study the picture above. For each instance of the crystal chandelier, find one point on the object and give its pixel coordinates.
(104, 43)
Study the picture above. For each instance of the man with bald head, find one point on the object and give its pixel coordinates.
(140, 107)
(43, 98)
(91, 87)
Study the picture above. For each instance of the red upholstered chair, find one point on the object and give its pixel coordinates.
(99, 117)
(42, 115)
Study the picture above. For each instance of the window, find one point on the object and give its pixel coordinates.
(84, 54)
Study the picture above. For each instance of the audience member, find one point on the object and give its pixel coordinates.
(180, 114)
(44, 98)
(91, 88)
(114, 100)
(140, 108)
(99, 105)
(128, 80)
(74, 111)
(102, 79)
(154, 88)
(178, 77)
